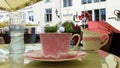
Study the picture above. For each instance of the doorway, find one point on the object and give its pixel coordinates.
(96, 14)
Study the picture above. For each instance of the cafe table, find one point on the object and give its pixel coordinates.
(100, 59)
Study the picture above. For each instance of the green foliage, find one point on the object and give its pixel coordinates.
(68, 26)
(50, 29)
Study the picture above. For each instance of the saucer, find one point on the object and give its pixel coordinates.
(71, 55)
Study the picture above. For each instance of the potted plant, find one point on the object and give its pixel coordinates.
(50, 29)
(70, 27)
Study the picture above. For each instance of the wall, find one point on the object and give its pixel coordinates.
(111, 6)
(4, 16)
(54, 4)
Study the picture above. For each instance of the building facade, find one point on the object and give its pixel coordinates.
(69, 10)
(55, 11)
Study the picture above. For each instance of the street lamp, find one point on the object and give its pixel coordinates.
(117, 13)
(56, 11)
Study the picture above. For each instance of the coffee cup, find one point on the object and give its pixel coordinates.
(93, 40)
(55, 44)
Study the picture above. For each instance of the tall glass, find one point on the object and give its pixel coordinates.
(17, 28)
(16, 60)
(17, 47)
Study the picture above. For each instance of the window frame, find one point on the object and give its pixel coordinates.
(30, 15)
(103, 14)
(102, 0)
(67, 3)
(86, 1)
(102, 17)
(48, 15)
(89, 1)
(47, 1)
(96, 1)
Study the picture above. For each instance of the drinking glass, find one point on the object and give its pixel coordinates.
(17, 28)
(17, 47)
(16, 60)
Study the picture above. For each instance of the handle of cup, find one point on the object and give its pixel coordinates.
(79, 38)
(106, 35)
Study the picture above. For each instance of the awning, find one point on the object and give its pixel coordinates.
(13, 5)
(102, 27)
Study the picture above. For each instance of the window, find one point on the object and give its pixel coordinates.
(89, 1)
(103, 0)
(47, 0)
(87, 15)
(97, 18)
(90, 12)
(1, 16)
(103, 14)
(30, 16)
(48, 15)
(100, 14)
(67, 3)
(86, 1)
(96, 0)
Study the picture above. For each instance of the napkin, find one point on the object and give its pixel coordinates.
(110, 62)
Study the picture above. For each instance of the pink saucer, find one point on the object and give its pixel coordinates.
(38, 55)
(103, 53)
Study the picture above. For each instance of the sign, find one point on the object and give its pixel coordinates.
(64, 15)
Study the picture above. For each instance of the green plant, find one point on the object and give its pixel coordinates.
(68, 26)
(49, 29)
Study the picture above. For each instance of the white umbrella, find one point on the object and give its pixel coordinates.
(13, 5)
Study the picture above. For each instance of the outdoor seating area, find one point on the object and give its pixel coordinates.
(59, 34)
(92, 33)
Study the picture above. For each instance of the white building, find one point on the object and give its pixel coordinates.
(4, 16)
(67, 9)
(44, 11)
(100, 10)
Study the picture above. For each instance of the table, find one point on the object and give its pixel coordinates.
(92, 60)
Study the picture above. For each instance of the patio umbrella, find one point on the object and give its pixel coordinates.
(13, 5)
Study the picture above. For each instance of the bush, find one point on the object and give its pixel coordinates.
(49, 29)
(68, 26)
